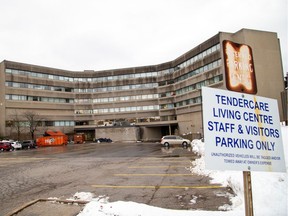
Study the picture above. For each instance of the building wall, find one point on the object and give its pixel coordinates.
(118, 133)
(267, 61)
(150, 134)
(168, 92)
(191, 123)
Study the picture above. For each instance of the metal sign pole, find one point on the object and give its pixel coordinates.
(245, 84)
(248, 193)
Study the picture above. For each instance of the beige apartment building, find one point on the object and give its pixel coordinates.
(134, 104)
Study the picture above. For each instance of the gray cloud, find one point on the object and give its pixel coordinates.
(107, 34)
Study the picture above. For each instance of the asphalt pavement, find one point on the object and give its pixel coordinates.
(139, 172)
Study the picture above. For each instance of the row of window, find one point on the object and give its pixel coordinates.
(118, 88)
(200, 56)
(126, 121)
(44, 123)
(116, 77)
(191, 60)
(39, 75)
(63, 123)
(117, 99)
(71, 79)
(100, 100)
(195, 100)
(167, 106)
(167, 94)
(64, 89)
(205, 68)
(38, 87)
(104, 89)
(117, 110)
(191, 88)
(37, 98)
(200, 84)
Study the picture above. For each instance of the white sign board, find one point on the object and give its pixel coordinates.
(242, 132)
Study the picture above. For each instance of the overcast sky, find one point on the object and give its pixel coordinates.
(107, 34)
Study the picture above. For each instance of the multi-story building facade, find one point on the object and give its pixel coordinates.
(139, 103)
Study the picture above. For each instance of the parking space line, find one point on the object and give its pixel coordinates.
(24, 158)
(165, 159)
(12, 161)
(152, 174)
(162, 162)
(158, 186)
(148, 167)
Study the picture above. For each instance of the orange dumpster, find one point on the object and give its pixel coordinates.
(52, 138)
(79, 138)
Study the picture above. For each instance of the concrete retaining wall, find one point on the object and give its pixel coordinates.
(118, 133)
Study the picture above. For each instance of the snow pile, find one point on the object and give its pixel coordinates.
(86, 196)
(226, 178)
(269, 193)
(102, 207)
(269, 189)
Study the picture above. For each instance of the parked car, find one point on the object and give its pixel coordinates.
(5, 146)
(16, 145)
(174, 140)
(100, 140)
(27, 144)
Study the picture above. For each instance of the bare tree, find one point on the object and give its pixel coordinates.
(34, 120)
(17, 124)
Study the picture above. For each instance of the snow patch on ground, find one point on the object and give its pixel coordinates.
(83, 196)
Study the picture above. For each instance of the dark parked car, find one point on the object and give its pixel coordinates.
(5, 146)
(104, 140)
(27, 144)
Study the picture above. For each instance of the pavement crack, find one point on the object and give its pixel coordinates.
(157, 187)
(155, 191)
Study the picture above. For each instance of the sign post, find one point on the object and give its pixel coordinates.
(248, 193)
(240, 77)
(242, 130)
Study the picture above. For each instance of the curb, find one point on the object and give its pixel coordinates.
(16, 211)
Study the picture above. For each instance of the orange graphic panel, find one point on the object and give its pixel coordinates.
(239, 67)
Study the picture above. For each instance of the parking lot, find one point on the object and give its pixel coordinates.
(140, 172)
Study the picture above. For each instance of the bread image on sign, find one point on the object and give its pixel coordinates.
(239, 67)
